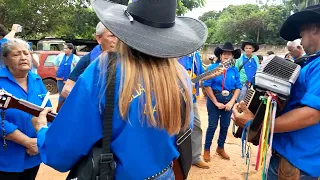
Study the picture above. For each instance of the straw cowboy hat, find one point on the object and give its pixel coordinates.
(152, 27)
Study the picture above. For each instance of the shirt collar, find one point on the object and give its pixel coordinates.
(247, 56)
(4, 72)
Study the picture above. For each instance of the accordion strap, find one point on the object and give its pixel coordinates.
(107, 163)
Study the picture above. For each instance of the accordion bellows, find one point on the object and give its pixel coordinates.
(275, 75)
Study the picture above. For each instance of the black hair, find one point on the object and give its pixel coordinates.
(270, 52)
(70, 46)
(260, 57)
(3, 31)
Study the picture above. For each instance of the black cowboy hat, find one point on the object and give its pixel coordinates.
(227, 47)
(250, 42)
(152, 27)
(290, 29)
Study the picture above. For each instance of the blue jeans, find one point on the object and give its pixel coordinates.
(243, 93)
(273, 171)
(60, 85)
(168, 175)
(214, 115)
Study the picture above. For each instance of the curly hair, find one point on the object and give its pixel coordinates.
(3, 30)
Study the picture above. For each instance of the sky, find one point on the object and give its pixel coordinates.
(216, 5)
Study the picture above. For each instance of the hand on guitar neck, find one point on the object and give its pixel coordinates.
(216, 72)
(219, 70)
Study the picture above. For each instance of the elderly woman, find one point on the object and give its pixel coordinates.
(222, 92)
(19, 159)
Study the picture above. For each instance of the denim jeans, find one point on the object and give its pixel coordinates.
(243, 93)
(273, 171)
(214, 115)
(168, 175)
(60, 85)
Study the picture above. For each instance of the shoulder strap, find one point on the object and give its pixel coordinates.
(107, 164)
(243, 63)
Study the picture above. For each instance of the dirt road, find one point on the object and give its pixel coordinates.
(220, 169)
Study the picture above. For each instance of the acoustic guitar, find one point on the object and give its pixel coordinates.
(195, 78)
(8, 101)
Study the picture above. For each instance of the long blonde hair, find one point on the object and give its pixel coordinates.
(163, 82)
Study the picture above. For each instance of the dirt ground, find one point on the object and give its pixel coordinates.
(220, 169)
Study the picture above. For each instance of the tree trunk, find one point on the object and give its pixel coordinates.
(258, 36)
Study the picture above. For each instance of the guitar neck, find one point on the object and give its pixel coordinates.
(201, 76)
(30, 108)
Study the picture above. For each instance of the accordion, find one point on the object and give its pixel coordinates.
(275, 75)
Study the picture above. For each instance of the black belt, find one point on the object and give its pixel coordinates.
(219, 92)
(160, 173)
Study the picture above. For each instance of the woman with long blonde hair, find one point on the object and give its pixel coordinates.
(152, 93)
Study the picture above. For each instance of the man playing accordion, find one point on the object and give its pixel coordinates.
(296, 143)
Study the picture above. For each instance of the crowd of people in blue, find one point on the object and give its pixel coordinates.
(153, 69)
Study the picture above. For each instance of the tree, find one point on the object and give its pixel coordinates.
(243, 22)
(210, 15)
(188, 5)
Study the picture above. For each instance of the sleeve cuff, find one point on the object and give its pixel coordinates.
(41, 136)
(9, 127)
(311, 101)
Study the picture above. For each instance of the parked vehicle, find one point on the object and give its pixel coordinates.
(46, 68)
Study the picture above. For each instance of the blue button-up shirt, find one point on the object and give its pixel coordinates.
(140, 150)
(232, 80)
(302, 147)
(15, 158)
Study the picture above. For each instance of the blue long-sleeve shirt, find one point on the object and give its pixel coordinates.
(15, 158)
(231, 82)
(302, 147)
(140, 151)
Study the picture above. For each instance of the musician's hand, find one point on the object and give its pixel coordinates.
(229, 105)
(41, 121)
(220, 105)
(218, 72)
(31, 146)
(240, 119)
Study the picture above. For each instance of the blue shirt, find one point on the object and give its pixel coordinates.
(57, 61)
(140, 151)
(249, 69)
(232, 80)
(15, 158)
(187, 62)
(2, 41)
(302, 147)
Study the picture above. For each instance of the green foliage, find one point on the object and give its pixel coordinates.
(61, 18)
(184, 6)
(238, 23)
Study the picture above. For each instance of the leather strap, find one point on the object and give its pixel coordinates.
(107, 163)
